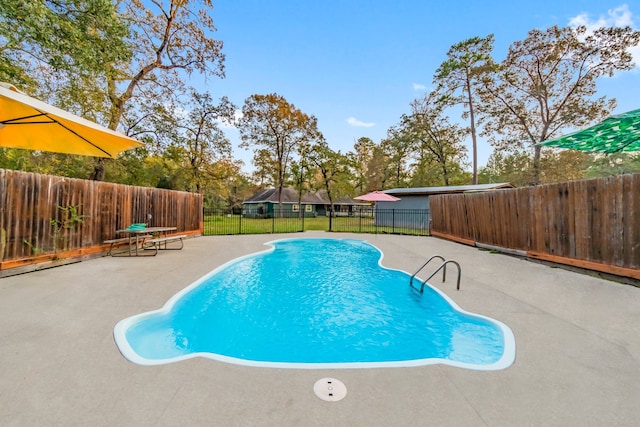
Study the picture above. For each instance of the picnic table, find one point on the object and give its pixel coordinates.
(151, 238)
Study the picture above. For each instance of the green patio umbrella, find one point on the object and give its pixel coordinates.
(614, 134)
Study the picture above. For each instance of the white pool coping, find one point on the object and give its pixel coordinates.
(578, 349)
(119, 333)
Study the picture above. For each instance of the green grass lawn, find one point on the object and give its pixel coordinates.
(236, 224)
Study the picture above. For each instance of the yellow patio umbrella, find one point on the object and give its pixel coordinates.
(26, 122)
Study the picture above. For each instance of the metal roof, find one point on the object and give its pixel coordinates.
(290, 196)
(448, 189)
(350, 201)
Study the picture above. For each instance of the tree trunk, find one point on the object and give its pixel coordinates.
(472, 121)
(445, 175)
(535, 179)
(280, 186)
(99, 170)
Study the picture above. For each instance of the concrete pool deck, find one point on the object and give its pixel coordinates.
(577, 349)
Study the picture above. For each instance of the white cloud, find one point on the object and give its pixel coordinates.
(225, 124)
(419, 86)
(357, 123)
(620, 16)
(178, 112)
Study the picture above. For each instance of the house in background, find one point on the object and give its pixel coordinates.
(418, 199)
(264, 203)
(346, 206)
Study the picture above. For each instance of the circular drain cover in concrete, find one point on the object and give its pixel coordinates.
(330, 389)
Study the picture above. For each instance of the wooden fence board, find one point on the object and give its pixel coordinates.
(596, 221)
(581, 219)
(571, 221)
(630, 228)
(615, 243)
(540, 231)
(3, 209)
(597, 225)
(30, 201)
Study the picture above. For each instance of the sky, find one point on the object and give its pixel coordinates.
(357, 65)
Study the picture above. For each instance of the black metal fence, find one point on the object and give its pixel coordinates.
(360, 220)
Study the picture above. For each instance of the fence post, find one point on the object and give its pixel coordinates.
(273, 222)
(393, 220)
(240, 223)
(330, 219)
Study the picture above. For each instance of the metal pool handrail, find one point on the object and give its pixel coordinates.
(442, 267)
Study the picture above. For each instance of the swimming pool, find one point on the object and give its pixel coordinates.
(314, 303)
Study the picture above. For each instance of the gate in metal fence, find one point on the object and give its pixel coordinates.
(364, 220)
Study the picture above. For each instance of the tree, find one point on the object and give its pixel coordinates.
(613, 164)
(378, 170)
(513, 167)
(302, 173)
(399, 147)
(272, 123)
(264, 174)
(363, 152)
(108, 61)
(458, 76)
(71, 38)
(55, 50)
(200, 134)
(438, 142)
(546, 85)
(169, 39)
(331, 166)
(227, 186)
(517, 167)
(563, 165)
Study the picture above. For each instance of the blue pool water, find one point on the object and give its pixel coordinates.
(310, 303)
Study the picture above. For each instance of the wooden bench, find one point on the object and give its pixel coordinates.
(156, 244)
(112, 242)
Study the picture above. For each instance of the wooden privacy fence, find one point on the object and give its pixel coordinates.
(593, 224)
(47, 217)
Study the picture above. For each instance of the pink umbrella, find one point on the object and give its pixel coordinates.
(377, 196)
